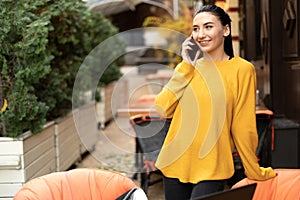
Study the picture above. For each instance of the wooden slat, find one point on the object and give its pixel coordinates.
(68, 147)
(89, 140)
(67, 130)
(39, 150)
(104, 111)
(10, 162)
(68, 144)
(11, 147)
(12, 176)
(40, 163)
(48, 168)
(66, 123)
(31, 142)
(68, 136)
(68, 159)
(9, 190)
(87, 127)
(85, 115)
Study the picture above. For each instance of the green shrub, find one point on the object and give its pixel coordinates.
(43, 44)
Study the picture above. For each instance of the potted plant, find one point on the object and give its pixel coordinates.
(43, 44)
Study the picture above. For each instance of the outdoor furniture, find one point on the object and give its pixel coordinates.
(78, 184)
(286, 185)
(150, 132)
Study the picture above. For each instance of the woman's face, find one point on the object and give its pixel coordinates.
(209, 32)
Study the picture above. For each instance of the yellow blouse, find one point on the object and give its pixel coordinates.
(213, 111)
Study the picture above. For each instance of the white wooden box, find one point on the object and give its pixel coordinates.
(25, 158)
(67, 143)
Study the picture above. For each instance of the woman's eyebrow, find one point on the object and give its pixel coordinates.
(208, 23)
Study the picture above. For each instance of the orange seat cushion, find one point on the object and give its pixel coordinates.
(77, 184)
(286, 185)
(147, 98)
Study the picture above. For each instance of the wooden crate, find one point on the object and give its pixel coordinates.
(104, 111)
(67, 143)
(25, 158)
(86, 127)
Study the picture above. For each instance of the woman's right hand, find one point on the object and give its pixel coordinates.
(190, 51)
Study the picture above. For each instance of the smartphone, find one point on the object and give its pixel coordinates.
(195, 48)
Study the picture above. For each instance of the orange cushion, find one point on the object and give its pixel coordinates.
(77, 184)
(286, 185)
(147, 98)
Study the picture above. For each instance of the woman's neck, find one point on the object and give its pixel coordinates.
(217, 57)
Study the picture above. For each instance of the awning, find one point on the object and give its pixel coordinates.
(110, 7)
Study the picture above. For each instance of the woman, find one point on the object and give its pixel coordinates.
(211, 101)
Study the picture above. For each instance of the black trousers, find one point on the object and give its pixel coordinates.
(176, 190)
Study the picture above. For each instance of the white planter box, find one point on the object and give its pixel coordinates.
(25, 158)
(75, 134)
(67, 143)
(56, 148)
(104, 108)
(86, 127)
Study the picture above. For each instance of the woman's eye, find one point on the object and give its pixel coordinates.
(208, 27)
(195, 28)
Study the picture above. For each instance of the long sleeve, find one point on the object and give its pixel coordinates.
(167, 100)
(243, 127)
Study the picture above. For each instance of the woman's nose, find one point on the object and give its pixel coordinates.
(201, 33)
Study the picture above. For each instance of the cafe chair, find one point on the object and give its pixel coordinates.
(286, 185)
(81, 184)
(150, 132)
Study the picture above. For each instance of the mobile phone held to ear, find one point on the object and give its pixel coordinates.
(195, 48)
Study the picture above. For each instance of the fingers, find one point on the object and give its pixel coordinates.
(188, 43)
(190, 50)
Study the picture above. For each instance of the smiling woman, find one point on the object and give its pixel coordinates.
(217, 91)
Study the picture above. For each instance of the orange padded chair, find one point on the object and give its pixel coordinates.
(79, 184)
(286, 185)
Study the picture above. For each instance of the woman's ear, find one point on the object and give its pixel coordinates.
(226, 30)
